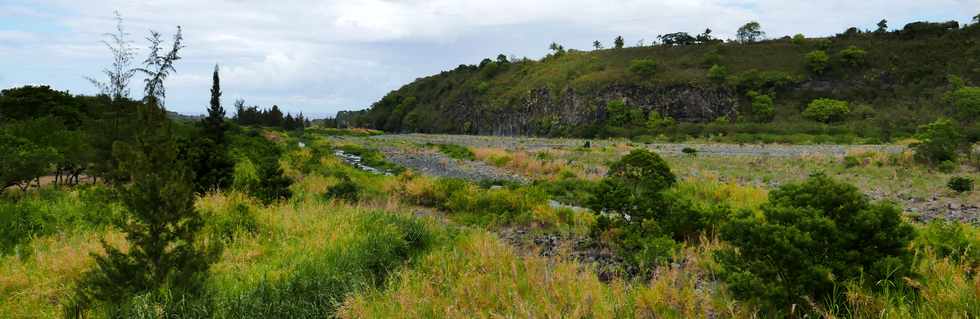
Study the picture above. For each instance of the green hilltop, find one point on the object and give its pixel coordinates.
(890, 82)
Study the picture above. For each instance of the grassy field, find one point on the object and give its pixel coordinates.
(414, 246)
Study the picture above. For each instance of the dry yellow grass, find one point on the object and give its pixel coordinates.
(36, 285)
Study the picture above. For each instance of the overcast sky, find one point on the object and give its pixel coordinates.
(319, 57)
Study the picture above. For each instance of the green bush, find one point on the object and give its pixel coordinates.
(817, 61)
(812, 240)
(948, 239)
(645, 68)
(947, 166)
(960, 184)
(455, 151)
(967, 102)
(640, 217)
(853, 56)
(273, 184)
(346, 190)
(939, 141)
(689, 151)
(240, 220)
(827, 110)
(798, 39)
(763, 110)
(851, 161)
(718, 73)
(494, 206)
(50, 211)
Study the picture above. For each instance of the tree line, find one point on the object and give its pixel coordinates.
(273, 117)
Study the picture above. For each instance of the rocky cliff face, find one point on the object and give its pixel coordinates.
(543, 109)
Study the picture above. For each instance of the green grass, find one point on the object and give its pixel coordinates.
(454, 151)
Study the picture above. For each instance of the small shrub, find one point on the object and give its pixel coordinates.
(817, 61)
(813, 239)
(798, 39)
(853, 56)
(939, 141)
(347, 190)
(455, 151)
(240, 219)
(273, 184)
(763, 110)
(947, 166)
(966, 100)
(718, 73)
(827, 110)
(689, 151)
(851, 161)
(645, 68)
(949, 239)
(960, 184)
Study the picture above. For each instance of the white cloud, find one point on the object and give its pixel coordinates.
(322, 56)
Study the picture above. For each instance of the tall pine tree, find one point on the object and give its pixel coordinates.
(161, 223)
(214, 124)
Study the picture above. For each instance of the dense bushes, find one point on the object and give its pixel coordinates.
(939, 141)
(644, 68)
(50, 211)
(812, 240)
(826, 110)
(638, 214)
(960, 184)
(817, 61)
(762, 107)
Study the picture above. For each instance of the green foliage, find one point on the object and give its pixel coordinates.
(689, 151)
(619, 114)
(853, 56)
(938, 141)
(763, 109)
(656, 121)
(455, 151)
(161, 224)
(750, 32)
(618, 42)
(640, 217)
(966, 100)
(718, 73)
(23, 161)
(827, 110)
(799, 39)
(239, 220)
(273, 184)
(212, 168)
(814, 239)
(347, 190)
(644, 68)
(50, 211)
(817, 61)
(960, 184)
(501, 206)
(949, 239)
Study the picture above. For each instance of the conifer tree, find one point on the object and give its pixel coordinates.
(214, 124)
(161, 223)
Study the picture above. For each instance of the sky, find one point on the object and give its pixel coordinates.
(320, 57)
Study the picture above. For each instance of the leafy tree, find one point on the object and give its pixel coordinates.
(618, 42)
(827, 110)
(939, 141)
(655, 120)
(32, 102)
(502, 59)
(799, 39)
(718, 73)
(23, 161)
(161, 223)
(817, 61)
(882, 26)
(706, 38)
(750, 32)
(645, 68)
(597, 45)
(619, 114)
(853, 56)
(813, 239)
(763, 109)
(966, 100)
(677, 38)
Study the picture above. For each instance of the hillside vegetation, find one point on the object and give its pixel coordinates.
(891, 82)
